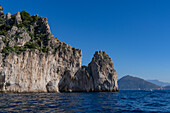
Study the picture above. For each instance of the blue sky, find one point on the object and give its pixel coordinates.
(135, 33)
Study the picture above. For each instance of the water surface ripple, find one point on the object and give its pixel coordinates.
(124, 101)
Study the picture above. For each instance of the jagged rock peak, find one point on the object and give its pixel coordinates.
(46, 25)
(8, 16)
(8, 19)
(1, 11)
(18, 19)
(1, 8)
(101, 55)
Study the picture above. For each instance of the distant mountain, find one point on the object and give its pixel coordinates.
(167, 87)
(134, 83)
(159, 83)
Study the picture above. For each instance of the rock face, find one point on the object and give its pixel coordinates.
(33, 60)
(1, 9)
(98, 76)
(2, 45)
(31, 71)
(103, 73)
(23, 36)
(8, 18)
(18, 19)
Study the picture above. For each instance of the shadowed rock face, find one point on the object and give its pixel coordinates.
(98, 76)
(33, 60)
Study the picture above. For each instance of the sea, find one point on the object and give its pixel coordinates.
(105, 102)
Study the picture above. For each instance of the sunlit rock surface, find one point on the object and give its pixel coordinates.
(33, 60)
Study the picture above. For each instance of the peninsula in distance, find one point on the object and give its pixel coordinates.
(135, 83)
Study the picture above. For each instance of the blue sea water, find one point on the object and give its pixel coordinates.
(123, 101)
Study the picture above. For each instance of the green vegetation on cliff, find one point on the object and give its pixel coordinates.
(14, 36)
(22, 32)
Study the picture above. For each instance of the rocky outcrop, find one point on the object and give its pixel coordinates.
(20, 39)
(33, 60)
(98, 76)
(1, 10)
(2, 45)
(18, 19)
(103, 72)
(45, 26)
(8, 18)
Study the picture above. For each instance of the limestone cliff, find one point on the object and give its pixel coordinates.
(98, 76)
(33, 60)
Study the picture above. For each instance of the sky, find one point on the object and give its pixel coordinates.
(135, 33)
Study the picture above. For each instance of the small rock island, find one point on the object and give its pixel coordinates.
(33, 60)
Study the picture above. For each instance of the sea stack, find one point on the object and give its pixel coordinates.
(99, 76)
(33, 60)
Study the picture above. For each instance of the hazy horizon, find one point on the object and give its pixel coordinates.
(135, 34)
